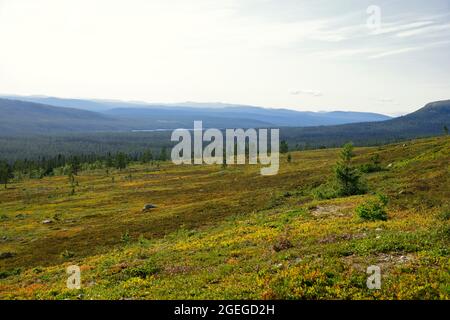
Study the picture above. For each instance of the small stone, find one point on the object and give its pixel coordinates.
(47, 221)
(148, 206)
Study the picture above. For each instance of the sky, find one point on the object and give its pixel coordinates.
(386, 56)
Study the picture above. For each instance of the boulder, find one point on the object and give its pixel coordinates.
(148, 206)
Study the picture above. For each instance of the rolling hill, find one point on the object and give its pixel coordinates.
(427, 121)
(243, 116)
(144, 116)
(21, 117)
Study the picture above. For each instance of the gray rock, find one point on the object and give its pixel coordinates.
(148, 206)
(47, 221)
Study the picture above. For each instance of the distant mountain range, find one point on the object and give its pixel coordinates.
(30, 130)
(55, 115)
(22, 117)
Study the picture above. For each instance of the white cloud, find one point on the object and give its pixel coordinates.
(400, 26)
(315, 93)
(342, 53)
(425, 30)
(394, 52)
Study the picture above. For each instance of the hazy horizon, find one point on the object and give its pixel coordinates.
(194, 104)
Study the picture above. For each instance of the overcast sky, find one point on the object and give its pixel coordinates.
(301, 54)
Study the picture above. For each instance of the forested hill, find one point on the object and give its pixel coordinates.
(22, 117)
(430, 120)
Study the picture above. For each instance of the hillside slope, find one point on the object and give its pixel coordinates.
(231, 233)
(427, 121)
(20, 117)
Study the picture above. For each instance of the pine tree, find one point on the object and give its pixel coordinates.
(121, 161)
(6, 173)
(147, 156)
(75, 165)
(163, 154)
(284, 147)
(347, 175)
(109, 160)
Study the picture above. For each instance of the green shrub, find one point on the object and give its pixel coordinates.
(325, 191)
(445, 215)
(147, 269)
(373, 209)
(125, 237)
(347, 180)
(8, 273)
(373, 166)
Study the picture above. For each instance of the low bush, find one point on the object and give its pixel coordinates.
(373, 166)
(143, 271)
(325, 191)
(373, 209)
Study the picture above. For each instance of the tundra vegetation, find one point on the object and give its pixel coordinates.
(227, 232)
